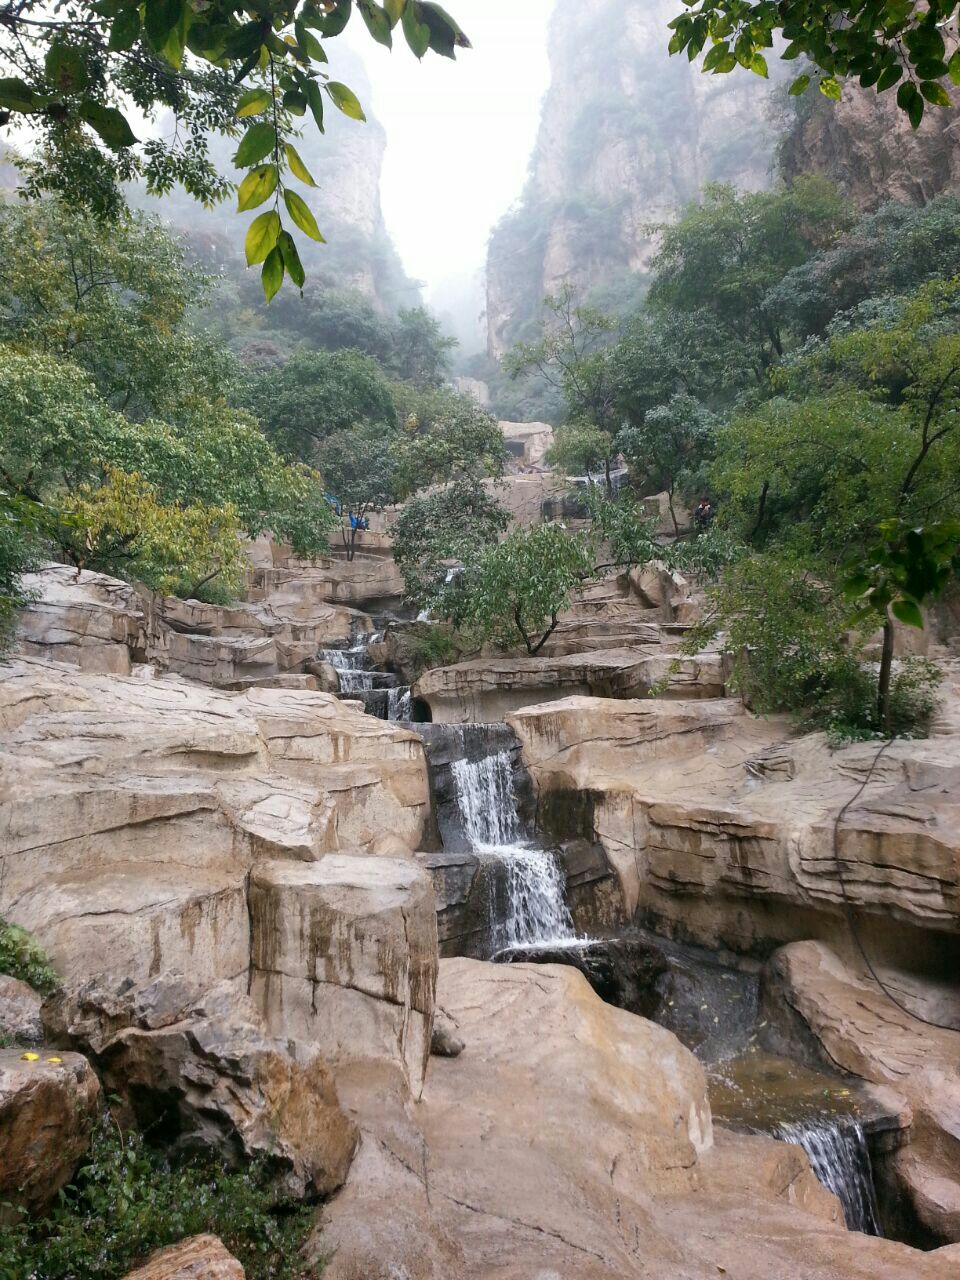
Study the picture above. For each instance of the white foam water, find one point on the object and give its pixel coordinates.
(839, 1156)
(534, 911)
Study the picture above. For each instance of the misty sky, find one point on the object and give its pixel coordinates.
(459, 133)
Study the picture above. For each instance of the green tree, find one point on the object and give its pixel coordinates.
(669, 447)
(447, 527)
(884, 46)
(112, 301)
(443, 435)
(250, 73)
(360, 473)
(518, 589)
(572, 354)
(317, 394)
(18, 556)
(421, 351)
(726, 253)
(579, 448)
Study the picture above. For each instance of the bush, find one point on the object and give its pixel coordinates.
(128, 1201)
(16, 559)
(22, 957)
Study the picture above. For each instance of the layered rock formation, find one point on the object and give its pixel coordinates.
(628, 134)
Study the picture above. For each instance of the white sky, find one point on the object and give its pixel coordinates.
(459, 133)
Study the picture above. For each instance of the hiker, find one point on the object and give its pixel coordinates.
(703, 515)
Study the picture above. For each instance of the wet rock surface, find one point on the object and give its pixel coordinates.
(20, 1011)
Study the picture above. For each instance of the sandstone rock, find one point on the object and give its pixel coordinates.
(133, 811)
(86, 619)
(345, 956)
(722, 824)
(572, 1139)
(48, 1109)
(490, 689)
(199, 1258)
(445, 1042)
(19, 1011)
(811, 1000)
(195, 1070)
(528, 442)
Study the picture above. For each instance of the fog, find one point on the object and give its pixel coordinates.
(460, 136)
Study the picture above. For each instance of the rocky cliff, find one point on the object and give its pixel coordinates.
(868, 147)
(628, 134)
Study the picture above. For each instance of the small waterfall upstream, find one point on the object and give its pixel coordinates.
(379, 691)
(528, 902)
(836, 1147)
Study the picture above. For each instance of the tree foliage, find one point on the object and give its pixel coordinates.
(247, 73)
(442, 529)
(668, 447)
(518, 589)
(884, 46)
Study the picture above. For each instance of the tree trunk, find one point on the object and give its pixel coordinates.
(673, 514)
(886, 666)
(609, 478)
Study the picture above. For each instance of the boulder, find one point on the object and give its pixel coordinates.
(527, 442)
(134, 810)
(445, 1041)
(49, 1104)
(199, 1258)
(196, 1071)
(85, 619)
(345, 956)
(19, 1011)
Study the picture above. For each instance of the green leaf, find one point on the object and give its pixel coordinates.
(253, 103)
(394, 10)
(888, 78)
(161, 17)
(109, 123)
(336, 21)
(315, 102)
(124, 31)
(16, 95)
(291, 259)
(345, 99)
(799, 86)
(259, 140)
(300, 212)
(378, 23)
(907, 611)
(295, 102)
(257, 186)
(261, 236)
(308, 42)
(715, 55)
(445, 36)
(65, 68)
(953, 68)
(417, 33)
(297, 167)
(758, 65)
(272, 273)
(935, 93)
(830, 88)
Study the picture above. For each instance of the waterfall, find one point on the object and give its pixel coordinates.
(837, 1149)
(379, 691)
(534, 911)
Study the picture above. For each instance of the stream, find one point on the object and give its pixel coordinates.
(711, 1007)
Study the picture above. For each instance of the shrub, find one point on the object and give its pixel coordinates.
(22, 957)
(128, 1201)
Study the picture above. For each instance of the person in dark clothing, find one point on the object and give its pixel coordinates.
(703, 515)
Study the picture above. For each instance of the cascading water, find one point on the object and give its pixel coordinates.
(533, 911)
(379, 691)
(836, 1147)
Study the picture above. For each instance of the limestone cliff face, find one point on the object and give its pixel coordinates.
(628, 135)
(867, 146)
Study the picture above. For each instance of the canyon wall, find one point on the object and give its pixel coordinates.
(628, 134)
